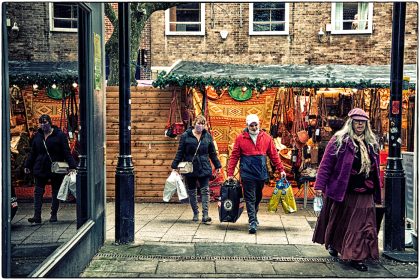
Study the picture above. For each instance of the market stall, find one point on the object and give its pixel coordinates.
(301, 106)
(39, 88)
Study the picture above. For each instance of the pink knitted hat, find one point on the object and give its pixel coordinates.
(358, 115)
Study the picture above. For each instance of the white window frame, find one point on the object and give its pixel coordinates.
(52, 28)
(193, 33)
(251, 23)
(352, 31)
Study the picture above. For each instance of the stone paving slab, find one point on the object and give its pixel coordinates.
(223, 249)
(191, 267)
(245, 267)
(272, 250)
(288, 269)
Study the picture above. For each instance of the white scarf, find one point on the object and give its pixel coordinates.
(365, 160)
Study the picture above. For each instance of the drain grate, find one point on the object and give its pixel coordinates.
(213, 258)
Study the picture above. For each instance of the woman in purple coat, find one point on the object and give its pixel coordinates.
(348, 180)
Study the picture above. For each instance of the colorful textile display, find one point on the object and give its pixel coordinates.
(227, 117)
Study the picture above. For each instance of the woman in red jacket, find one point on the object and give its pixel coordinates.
(252, 147)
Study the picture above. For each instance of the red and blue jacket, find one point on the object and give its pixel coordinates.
(253, 164)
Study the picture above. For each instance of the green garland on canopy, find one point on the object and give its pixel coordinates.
(163, 80)
(43, 81)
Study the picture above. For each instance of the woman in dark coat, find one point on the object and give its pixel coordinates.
(202, 170)
(39, 163)
(348, 178)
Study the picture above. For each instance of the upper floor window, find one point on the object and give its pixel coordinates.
(63, 17)
(185, 19)
(351, 17)
(268, 18)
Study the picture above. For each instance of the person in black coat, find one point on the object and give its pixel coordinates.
(39, 163)
(202, 170)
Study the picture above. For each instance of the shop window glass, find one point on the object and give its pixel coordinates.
(185, 19)
(351, 17)
(268, 18)
(63, 17)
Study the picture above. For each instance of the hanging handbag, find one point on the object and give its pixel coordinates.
(58, 167)
(174, 127)
(186, 167)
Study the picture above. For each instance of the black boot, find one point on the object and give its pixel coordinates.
(35, 219)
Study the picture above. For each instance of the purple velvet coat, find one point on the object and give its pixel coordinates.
(334, 170)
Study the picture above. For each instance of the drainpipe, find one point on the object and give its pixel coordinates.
(124, 176)
(394, 230)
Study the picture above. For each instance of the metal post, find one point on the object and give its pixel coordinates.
(124, 177)
(84, 88)
(394, 230)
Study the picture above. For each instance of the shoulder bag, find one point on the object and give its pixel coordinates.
(58, 167)
(186, 167)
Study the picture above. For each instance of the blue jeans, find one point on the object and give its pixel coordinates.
(253, 196)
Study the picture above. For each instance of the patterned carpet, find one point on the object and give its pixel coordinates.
(42, 104)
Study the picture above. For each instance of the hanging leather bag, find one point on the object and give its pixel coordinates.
(325, 131)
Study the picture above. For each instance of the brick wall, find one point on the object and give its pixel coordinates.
(300, 47)
(35, 41)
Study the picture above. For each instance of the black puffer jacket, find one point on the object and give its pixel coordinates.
(201, 164)
(58, 148)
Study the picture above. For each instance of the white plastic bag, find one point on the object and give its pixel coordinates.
(318, 202)
(68, 185)
(72, 183)
(180, 188)
(64, 189)
(170, 186)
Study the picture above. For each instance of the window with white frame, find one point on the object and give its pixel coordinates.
(185, 19)
(63, 17)
(351, 17)
(269, 18)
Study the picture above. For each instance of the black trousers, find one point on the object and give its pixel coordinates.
(40, 182)
(253, 196)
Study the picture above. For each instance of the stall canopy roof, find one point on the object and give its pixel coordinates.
(24, 73)
(376, 74)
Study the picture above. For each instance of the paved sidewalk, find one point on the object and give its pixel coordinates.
(168, 244)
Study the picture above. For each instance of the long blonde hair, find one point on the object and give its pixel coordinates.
(346, 133)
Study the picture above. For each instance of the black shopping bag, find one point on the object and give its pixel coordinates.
(231, 202)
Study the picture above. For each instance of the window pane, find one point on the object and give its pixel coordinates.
(262, 16)
(347, 25)
(62, 23)
(187, 16)
(277, 15)
(349, 10)
(186, 27)
(62, 11)
(261, 27)
(277, 27)
(269, 5)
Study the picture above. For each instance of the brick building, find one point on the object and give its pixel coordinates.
(292, 39)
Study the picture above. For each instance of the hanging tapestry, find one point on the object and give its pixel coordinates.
(227, 117)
